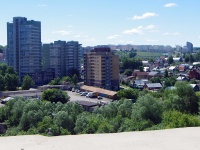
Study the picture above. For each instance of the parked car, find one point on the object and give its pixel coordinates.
(99, 97)
(77, 91)
(84, 93)
(92, 94)
(73, 89)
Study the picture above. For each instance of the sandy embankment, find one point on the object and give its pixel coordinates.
(172, 139)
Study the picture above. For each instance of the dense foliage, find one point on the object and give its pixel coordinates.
(55, 95)
(8, 78)
(169, 109)
(27, 82)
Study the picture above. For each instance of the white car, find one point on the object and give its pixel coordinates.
(84, 93)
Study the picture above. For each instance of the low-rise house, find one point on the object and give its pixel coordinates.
(153, 74)
(139, 83)
(182, 78)
(140, 75)
(194, 73)
(146, 69)
(177, 59)
(172, 69)
(195, 63)
(153, 86)
(145, 63)
(195, 87)
(87, 105)
(182, 67)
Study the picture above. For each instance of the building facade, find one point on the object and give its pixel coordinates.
(189, 45)
(62, 56)
(24, 46)
(101, 68)
(73, 56)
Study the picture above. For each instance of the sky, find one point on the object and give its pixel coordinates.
(102, 22)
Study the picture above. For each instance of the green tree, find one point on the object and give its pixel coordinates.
(170, 81)
(141, 68)
(55, 95)
(3, 68)
(63, 119)
(27, 82)
(72, 72)
(75, 80)
(166, 75)
(148, 107)
(45, 124)
(11, 82)
(132, 53)
(191, 58)
(1, 49)
(128, 93)
(187, 58)
(55, 81)
(2, 83)
(189, 100)
(10, 70)
(155, 80)
(66, 79)
(176, 119)
(170, 60)
(128, 72)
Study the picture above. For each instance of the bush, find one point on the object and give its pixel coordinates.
(176, 119)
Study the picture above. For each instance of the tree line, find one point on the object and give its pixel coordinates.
(161, 110)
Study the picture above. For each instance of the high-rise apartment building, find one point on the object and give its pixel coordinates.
(73, 56)
(55, 59)
(101, 68)
(24, 46)
(189, 45)
(62, 56)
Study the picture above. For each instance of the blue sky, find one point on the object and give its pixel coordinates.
(100, 22)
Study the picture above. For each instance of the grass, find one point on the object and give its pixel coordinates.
(148, 54)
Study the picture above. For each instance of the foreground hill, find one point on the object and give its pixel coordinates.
(171, 139)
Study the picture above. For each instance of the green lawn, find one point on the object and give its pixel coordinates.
(148, 54)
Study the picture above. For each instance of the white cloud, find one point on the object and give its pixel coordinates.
(113, 36)
(42, 5)
(139, 30)
(166, 33)
(61, 32)
(174, 33)
(77, 36)
(133, 31)
(144, 16)
(170, 5)
(199, 36)
(151, 27)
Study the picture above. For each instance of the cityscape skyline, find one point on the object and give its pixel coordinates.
(152, 22)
